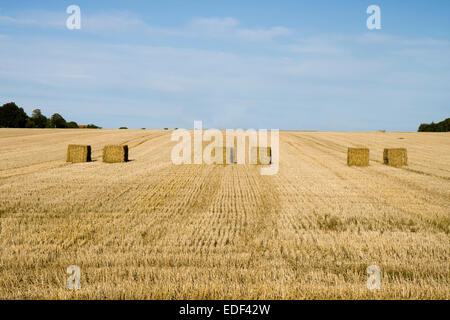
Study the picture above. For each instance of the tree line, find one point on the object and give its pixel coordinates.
(11, 116)
(443, 126)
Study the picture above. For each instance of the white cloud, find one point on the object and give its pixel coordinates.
(263, 34)
(215, 23)
(112, 23)
(229, 27)
(316, 48)
(43, 19)
(375, 38)
(117, 22)
(425, 42)
(6, 20)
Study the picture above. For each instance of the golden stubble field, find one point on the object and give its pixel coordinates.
(148, 229)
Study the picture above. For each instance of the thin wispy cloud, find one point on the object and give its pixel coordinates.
(35, 19)
(110, 23)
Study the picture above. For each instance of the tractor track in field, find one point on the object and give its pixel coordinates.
(418, 194)
(340, 148)
(58, 164)
(400, 181)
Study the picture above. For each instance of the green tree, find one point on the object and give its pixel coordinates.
(39, 119)
(58, 121)
(425, 127)
(93, 126)
(72, 124)
(11, 116)
(30, 123)
(443, 126)
(49, 124)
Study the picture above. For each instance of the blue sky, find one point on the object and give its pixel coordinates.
(305, 65)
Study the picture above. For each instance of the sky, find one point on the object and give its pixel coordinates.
(288, 65)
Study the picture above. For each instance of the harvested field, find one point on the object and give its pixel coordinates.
(148, 229)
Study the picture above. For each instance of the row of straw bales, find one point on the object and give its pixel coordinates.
(119, 153)
(395, 157)
(258, 155)
(111, 154)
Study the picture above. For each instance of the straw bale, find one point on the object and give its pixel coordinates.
(115, 153)
(261, 155)
(395, 157)
(78, 153)
(227, 155)
(358, 157)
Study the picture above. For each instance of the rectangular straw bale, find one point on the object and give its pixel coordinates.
(115, 153)
(261, 155)
(358, 157)
(395, 157)
(227, 155)
(78, 153)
